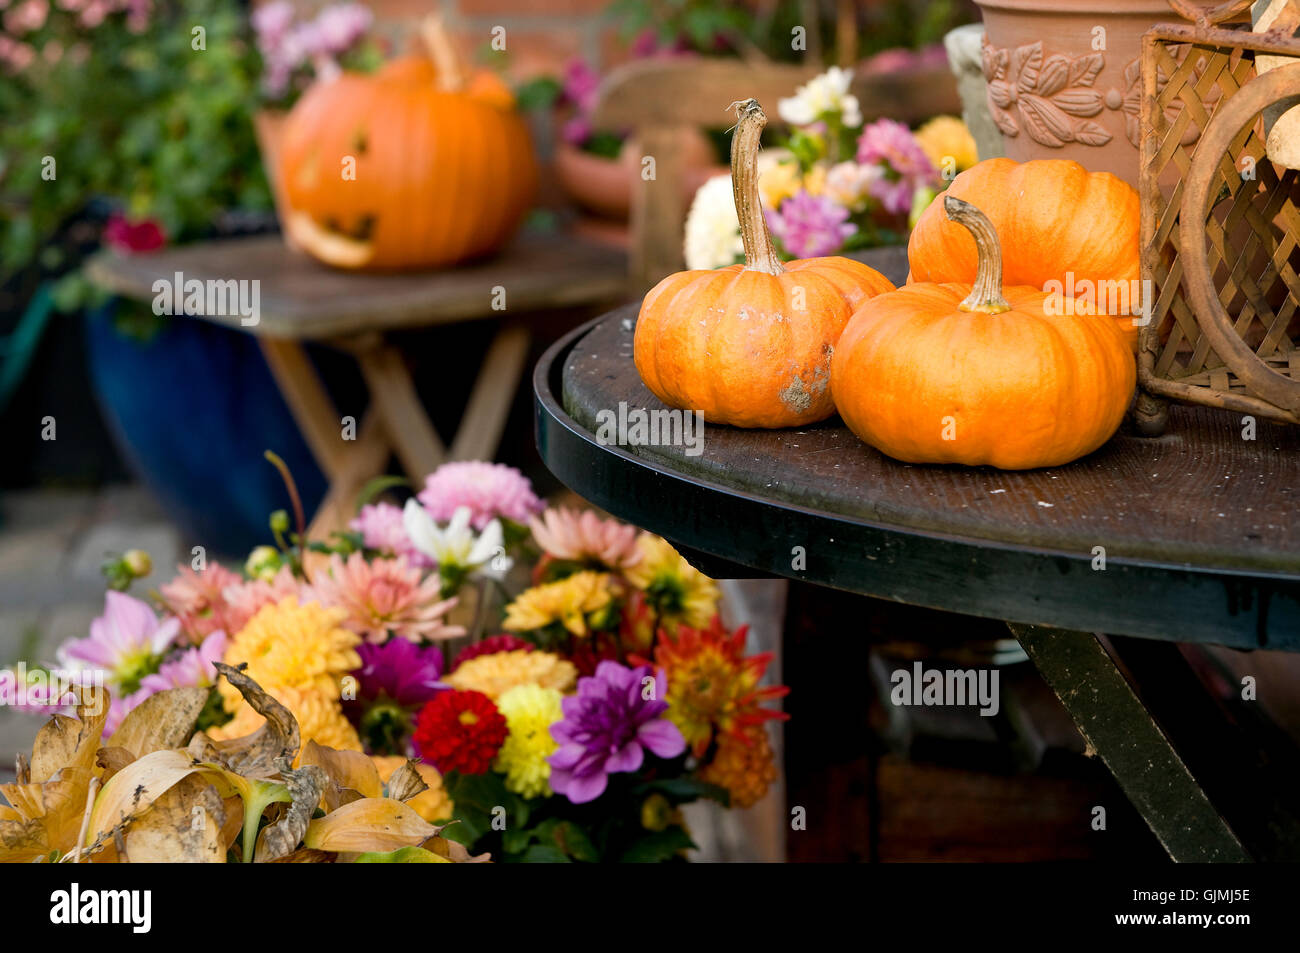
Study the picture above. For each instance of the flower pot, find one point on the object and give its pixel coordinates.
(268, 125)
(603, 186)
(1065, 80)
(192, 409)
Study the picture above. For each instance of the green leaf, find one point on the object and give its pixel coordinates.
(657, 847)
(544, 854)
(685, 790)
(378, 485)
(573, 840)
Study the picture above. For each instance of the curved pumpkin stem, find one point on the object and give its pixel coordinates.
(986, 296)
(760, 253)
(450, 70)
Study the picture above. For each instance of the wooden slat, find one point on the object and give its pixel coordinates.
(398, 407)
(308, 401)
(697, 91)
(365, 459)
(300, 298)
(658, 210)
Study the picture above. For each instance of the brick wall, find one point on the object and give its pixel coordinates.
(540, 35)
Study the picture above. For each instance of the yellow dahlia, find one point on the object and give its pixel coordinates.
(433, 805)
(569, 602)
(677, 591)
(494, 675)
(320, 717)
(299, 654)
(530, 710)
(744, 767)
(947, 136)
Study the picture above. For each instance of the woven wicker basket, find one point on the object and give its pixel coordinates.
(1220, 223)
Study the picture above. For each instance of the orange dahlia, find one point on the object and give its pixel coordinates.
(744, 765)
(713, 687)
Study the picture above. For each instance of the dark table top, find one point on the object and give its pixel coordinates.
(1199, 528)
(303, 299)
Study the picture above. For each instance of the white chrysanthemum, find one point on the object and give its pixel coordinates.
(827, 93)
(849, 184)
(712, 229)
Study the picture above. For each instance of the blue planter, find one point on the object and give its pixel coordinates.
(193, 409)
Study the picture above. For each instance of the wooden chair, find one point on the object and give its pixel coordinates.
(656, 99)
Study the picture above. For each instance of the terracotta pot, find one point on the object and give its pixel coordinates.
(604, 186)
(1065, 78)
(268, 126)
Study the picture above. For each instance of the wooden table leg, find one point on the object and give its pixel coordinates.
(398, 406)
(312, 409)
(493, 394)
(1117, 725)
(366, 458)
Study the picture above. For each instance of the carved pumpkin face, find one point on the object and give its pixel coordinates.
(411, 167)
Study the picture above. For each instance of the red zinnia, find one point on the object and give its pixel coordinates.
(460, 731)
(492, 645)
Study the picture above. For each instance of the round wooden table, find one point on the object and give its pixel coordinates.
(1193, 536)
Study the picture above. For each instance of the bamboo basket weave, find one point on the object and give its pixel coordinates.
(1220, 223)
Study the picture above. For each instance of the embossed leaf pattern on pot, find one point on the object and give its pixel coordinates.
(1133, 96)
(1050, 97)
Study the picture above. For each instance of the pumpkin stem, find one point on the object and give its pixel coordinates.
(450, 70)
(760, 253)
(986, 296)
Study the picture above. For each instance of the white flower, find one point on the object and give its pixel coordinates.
(849, 184)
(712, 229)
(827, 93)
(456, 547)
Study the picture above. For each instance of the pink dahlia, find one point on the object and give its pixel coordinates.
(586, 538)
(196, 598)
(244, 599)
(490, 490)
(810, 226)
(386, 595)
(380, 526)
(192, 668)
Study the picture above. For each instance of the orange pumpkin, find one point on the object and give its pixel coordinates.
(750, 345)
(1057, 221)
(418, 165)
(950, 373)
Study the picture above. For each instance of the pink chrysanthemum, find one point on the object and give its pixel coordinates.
(244, 599)
(490, 490)
(386, 595)
(586, 538)
(380, 526)
(197, 599)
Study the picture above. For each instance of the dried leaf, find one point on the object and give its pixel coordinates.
(307, 855)
(164, 720)
(22, 769)
(282, 838)
(71, 742)
(370, 824)
(403, 855)
(54, 807)
(406, 783)
(134, 788)
(255, 755)
(181, 826)
(351, 774)
(203, 748)
(455, 851)
(112, 760)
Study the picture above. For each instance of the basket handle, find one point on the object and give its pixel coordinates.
(1204, 16)
(1232, 116)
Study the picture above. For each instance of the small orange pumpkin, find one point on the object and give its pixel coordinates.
(1058, 222)
(750, 345)
(950, 373)
(416, 166)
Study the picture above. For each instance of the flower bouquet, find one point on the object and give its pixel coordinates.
(835, 185)
(560, 683)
